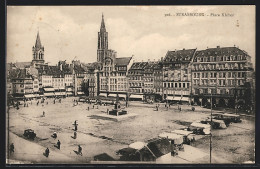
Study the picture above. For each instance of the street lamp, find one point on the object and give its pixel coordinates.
(210, 131)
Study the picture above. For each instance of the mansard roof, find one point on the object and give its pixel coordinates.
(179, 55)
(123, 61)
(221, 51)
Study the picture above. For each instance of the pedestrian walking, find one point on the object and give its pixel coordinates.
(93, 106)
(79, 150)
(43, 113)
(76, 127)
(75, 134)
(58, 144)
(12, 148)
(54, 135)
(47, 152)
(88, 108)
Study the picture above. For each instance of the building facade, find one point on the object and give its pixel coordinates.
(136, 80)
(225, 73)
(177, 75)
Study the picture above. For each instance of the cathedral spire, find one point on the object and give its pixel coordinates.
(103, 27)
(38, 44)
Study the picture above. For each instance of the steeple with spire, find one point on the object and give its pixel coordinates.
(102, 35)
(38, 51)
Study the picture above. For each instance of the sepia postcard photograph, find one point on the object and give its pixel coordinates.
(130, 84)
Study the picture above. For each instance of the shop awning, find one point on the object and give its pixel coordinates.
(60, 93)
(69, 89)
(29, 95)
(103, 94)
(49, 94)
(176, 98)
(69, 93)
(170, 98)
(186, 99)
(136, 96)
(36, 95)
(48, 89)
(112, 95)
(122, 95)
(80, 93)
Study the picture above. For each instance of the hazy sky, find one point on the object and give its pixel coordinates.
(143, 31)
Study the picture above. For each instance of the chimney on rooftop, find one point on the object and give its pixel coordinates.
(234, 45)
(183, 48)
(161, 58)
(148, 60)
(218, 46)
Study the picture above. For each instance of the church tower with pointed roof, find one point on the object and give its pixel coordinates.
(103, 52)
(102, 36)
(38, 51)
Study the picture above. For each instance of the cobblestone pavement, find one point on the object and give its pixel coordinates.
(97, 136)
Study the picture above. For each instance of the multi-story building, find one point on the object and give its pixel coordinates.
(158, 80)
(112, 76)
(136, 80)
(22, 84)
(225, 73)
(151, 78)
(79, 74)
(46, 80)
(177, 75)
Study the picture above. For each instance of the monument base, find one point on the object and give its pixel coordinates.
(114, 118)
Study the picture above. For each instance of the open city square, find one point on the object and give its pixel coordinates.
(146, 103)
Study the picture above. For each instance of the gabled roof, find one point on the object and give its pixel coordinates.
(79, 69)
(18, 74)
(124, 61)
(179, 55)
(22, 65)
(138, 65)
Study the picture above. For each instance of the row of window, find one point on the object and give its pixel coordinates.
(148, 90)
(136, 84)
(136, 90)
(220, 58)
(176, 84)
(218, 66)
(218, 82)
(219, 74)
(239, 92)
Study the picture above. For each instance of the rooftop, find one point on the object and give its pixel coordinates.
(124, 61)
